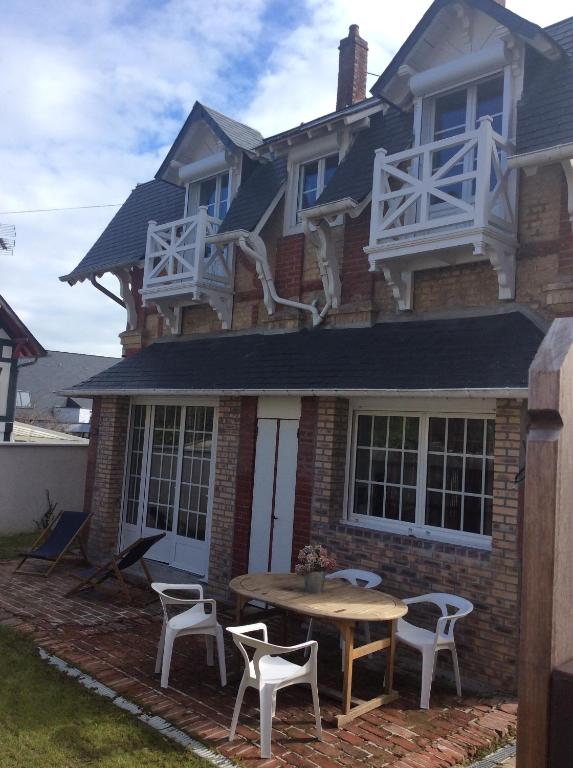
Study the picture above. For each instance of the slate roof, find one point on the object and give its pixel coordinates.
(393, 131)
(521, 27)
(254, 196)
(480, 352)
(234, 135)
(545, 114)
(54, 372)
(124, 239)
(27, 345)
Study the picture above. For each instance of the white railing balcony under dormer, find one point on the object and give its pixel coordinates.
(448, 193)
(178, 261)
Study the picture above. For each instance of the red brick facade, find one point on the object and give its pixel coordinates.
(244, 492)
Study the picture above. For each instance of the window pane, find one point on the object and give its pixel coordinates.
(377, 501)
(380, 431)
(474, 438)
(488, 488)
(437, 437)
(450, 114)
(490, 101)
(394, 467)
(409, 505)
(455, 435)
(472, 514)
(364, 430)
(434, 508)
(410, 472)
(378, 466)
(474, 475)
(490, 437)
(435, 471)
(487, 516)
(223, 195)
(411, 434)
(330, 166)
(395, 432)
(454, 469)
(453, 511)
(309, 184)
(363, 464)
(392, 503)
(361, 499)
(208, 194)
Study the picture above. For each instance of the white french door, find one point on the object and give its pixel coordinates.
(168, 484)
(274, 485)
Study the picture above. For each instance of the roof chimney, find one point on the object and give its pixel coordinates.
(352, 65)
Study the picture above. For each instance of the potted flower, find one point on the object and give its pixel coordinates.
(313, 562)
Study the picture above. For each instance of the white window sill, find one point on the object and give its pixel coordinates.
(427, 533)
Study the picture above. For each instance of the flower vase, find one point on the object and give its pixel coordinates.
(314, 582)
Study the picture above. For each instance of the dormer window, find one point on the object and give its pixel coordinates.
(214, 193)
(313, 178)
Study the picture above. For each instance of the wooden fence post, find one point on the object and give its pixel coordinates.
(547, 581)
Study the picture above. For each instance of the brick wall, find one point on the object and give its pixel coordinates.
(304, 474)
(108, 475)
(244, 485)
(487, 640)
(289, 266)
(224, 495)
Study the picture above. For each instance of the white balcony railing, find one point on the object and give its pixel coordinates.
(177, 257)
(456, 183)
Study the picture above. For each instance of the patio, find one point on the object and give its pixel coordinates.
(116, 644)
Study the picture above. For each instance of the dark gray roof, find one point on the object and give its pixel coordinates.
(57, 371)
(545, 114)
(484, 352)
(234, 135)
(123, 240)
(392, 131)
(358, 106)
(526, 30)
(255, 195)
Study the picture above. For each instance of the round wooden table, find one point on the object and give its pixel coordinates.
(341, 604)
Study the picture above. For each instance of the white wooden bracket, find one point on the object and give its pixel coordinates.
(320, 236)
(568, 170)
(502, 259)
(400, 281)
(253, 246)
(124, 277)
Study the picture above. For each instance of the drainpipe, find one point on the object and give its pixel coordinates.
(253, 245)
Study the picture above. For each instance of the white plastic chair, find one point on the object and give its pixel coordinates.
(430, 643)
(268, 673)
(193, 621)
(358, 578)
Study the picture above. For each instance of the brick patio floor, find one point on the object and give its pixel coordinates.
(116, 643)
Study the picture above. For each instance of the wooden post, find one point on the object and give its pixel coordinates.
(547, 580)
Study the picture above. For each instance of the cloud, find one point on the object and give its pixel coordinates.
(93, 94)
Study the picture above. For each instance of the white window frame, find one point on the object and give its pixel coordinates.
(319, 180)
(148, 403)
(418, 528)
(192, 197)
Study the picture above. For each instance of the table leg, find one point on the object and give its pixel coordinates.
(240, 604)
(347, 631)
(389, 677)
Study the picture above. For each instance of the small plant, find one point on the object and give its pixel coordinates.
(46, 518)
(314, 558)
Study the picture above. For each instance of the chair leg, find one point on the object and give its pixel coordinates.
(427, 671)
(167, 651)
(209, 647)
(159, 656)
(238, 704)
(456, 671)
(266, 704)
(316, 705)
(221, 656)
(274, 707)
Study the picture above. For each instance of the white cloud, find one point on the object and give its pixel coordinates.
(94, 93)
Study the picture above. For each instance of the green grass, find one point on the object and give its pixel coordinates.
(11, 546)
(49, 720)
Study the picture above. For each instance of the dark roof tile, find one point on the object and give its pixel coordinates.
(483, 352)
(254, 196)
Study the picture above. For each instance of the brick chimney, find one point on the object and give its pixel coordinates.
(352, 65)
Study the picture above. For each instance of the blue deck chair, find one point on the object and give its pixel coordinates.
(56, 541)
(97, 574)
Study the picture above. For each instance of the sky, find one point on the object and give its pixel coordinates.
(93, 94)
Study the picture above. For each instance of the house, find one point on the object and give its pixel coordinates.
(19, 348)
(329, 330)
(38, 401)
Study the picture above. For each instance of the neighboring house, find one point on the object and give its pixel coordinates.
(16, 344)
(38, 400)
(330, 330)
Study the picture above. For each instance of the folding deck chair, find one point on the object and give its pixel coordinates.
(94, 576)
(56, 541)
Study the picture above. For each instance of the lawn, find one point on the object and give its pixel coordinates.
(49, 720)
(11, 546)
